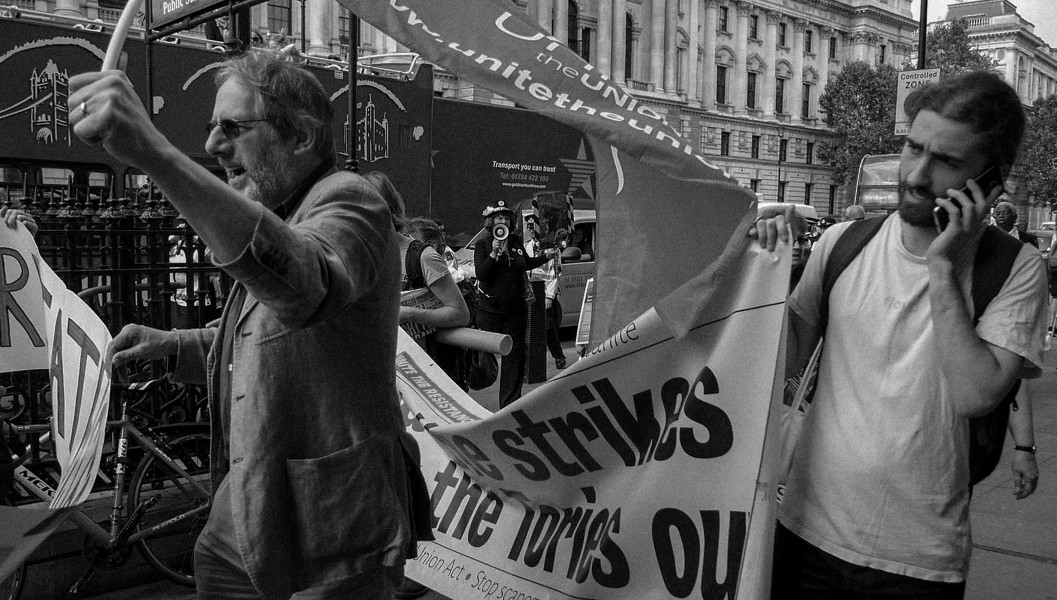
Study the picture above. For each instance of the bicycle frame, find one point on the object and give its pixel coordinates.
(115, 536)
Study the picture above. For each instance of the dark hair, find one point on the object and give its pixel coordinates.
(288, 95)
(381, 182)
(981, 100)
(427, 231)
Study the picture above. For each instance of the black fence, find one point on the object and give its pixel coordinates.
(133, 260)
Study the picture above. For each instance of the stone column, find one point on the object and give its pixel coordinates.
(741, 58)
(692, 53)
(770, 49)
(620, 10)
(824, 33)
(545, 15)
(796, 95)
(68, 8)
(671, 15)
(561, 20)
(605, 37)
(708, 93)
(320, 21)
(657, 44)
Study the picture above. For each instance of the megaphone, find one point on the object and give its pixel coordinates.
(500, 232)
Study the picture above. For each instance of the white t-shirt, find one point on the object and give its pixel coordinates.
(881, 474)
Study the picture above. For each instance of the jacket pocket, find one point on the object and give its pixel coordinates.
(347, 514)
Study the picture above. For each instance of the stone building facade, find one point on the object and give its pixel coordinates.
(740, 78)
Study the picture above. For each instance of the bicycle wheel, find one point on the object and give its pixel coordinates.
(170, 550)
(11, 588)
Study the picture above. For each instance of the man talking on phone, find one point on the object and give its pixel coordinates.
(877, 503)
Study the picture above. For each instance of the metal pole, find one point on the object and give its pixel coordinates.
(351, 164)
(302, 26)
(922, 22)
(778, 191)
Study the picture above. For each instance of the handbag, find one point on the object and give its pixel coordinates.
(800, 389)
(482, 369)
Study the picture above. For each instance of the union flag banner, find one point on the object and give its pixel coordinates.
(639, 472)
(664, 210)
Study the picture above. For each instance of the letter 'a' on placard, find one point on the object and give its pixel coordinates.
(908, 81)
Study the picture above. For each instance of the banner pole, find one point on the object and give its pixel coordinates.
(117, 41)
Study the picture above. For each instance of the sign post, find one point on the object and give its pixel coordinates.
(908, 82)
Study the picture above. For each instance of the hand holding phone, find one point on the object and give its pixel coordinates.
(988, 181)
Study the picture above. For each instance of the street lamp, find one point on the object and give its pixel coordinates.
(302, 26)
(779, 193)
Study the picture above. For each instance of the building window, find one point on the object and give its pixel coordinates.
(279, 16)
(779, 96)
(750, 92)
(783, 146)
(724, 143)
(807, 192)
(833, 48)
(724, 15)
(754, 185)
(809, 41)
(754, 27)
(721, 85)
(755, 148)
(585, 44)
(781, 34)
(343, 27)
(884, 53)
(811, 153)
(629, 48)
(781, 191)
(574, 27)
(805, 104)
(832, 197)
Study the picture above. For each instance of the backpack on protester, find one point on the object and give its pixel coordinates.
(993, 262)
(413, 266)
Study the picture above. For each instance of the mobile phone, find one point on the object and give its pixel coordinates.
(988, 181)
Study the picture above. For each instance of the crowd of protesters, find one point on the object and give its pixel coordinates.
(879, 487)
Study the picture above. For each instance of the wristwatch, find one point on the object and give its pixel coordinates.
(1030, 449)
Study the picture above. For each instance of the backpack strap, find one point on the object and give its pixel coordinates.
(845, 249)
(413, 265)
(994, 260)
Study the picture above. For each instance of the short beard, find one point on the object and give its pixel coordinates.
(269, 180)
(917, 215)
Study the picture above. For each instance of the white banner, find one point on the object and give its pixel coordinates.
(22, 344)
(75, 342)
(639, 472)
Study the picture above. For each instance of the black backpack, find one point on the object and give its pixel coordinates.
(413, 266)
(994, 260)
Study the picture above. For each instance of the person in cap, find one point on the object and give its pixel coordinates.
(502, 285)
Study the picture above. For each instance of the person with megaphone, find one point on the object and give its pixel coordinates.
(502, 286)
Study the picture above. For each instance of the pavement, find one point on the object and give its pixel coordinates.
(1014, 541)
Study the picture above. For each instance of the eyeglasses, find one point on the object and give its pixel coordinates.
(230, 127)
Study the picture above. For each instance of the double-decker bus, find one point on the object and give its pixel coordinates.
(877, 184)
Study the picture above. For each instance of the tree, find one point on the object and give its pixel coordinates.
(948, 49)
(1037, 162)
(860, 110)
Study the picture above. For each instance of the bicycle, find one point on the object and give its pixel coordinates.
(168, 494)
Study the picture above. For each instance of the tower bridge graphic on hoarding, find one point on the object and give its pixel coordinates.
(372, 143)
(49, 112)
